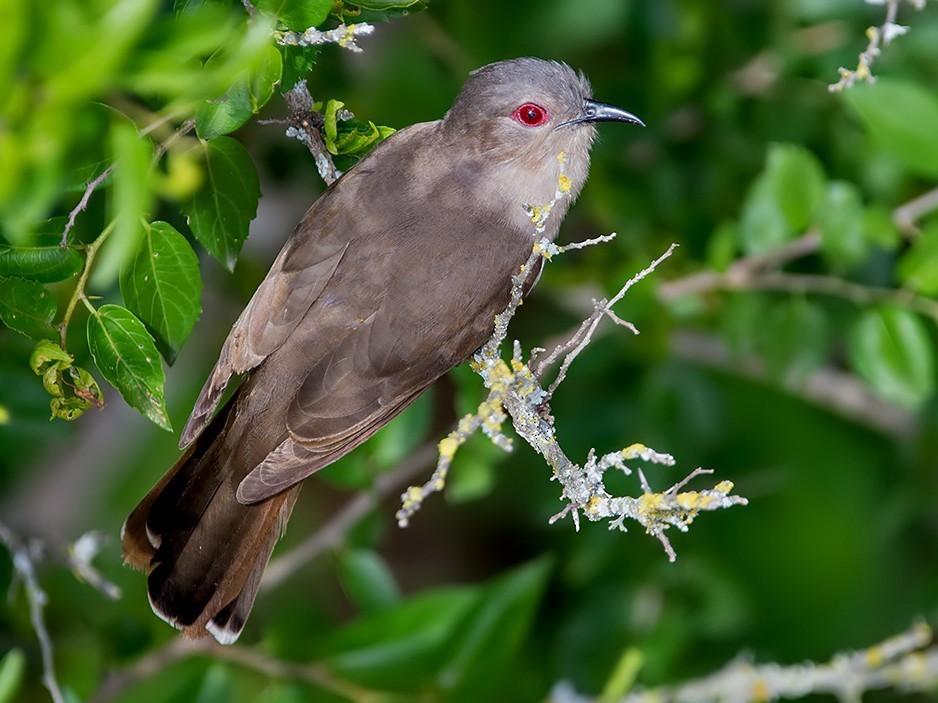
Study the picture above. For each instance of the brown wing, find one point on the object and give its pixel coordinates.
(409, 315)
(296, 279)
(345, 398)
(382, 296)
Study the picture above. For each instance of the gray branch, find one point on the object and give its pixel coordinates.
(515, 390)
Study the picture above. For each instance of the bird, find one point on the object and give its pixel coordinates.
(392, 278)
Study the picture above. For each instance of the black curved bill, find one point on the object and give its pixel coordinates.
(595, 111)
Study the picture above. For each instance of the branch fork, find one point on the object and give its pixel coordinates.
(516, 391)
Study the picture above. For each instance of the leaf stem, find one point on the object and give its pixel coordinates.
(79, 293)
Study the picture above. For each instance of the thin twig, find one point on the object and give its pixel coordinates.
(179, 132)
(743, 269)
(831, 285)
(304, 124)
(334, 530)
(751, 268)
(906, 216)
(146, 666)
(180, 648)
(24, 567)
(83, 203)
(79, 293)
(830, 388)
(583, 336)
(878, 37)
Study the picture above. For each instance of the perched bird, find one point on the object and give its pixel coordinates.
(392, 278)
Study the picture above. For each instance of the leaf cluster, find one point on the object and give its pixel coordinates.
(208, 66)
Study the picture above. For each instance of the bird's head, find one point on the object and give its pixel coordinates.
(525, 111)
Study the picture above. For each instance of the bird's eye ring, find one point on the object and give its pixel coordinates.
(530, 115)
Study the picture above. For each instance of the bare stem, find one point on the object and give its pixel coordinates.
(24, 567)
(831, 285)
(79, 293)
(906, 216)
(334, 530)
(584, 335)
(83, 203)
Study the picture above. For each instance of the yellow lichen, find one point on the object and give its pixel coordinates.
(724, 487)
(538, 249)
(760, 691)
(447, 447)
(693, 501)
(634, 451)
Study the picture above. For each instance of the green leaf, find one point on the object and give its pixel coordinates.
(880, 229)
(367, 580)
(399, 438)
(183, 6)
(473, 474)
(218, 685)
(330, 128)
(485, 643)
(762, 224)
(721, 246)
(244, 99)
(298, 15)
(798, 338)
(782, 200)
(298, 61)
(740, 321)
(12, 667)
(43, 264)
(220, 213)
(901, 116)
(843, 239)
(27, 307)
(161, 285)
(73, 389)
(918, 268)
(890, 349)
(796, 181)
(127, 357)
(350, 137)
(401, 646)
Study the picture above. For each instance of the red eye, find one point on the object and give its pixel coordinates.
(530, 115)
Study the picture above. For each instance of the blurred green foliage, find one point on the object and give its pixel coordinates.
(747, 362)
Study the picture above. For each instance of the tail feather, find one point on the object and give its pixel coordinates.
(203, 551)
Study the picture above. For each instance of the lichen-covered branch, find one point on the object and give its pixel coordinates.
(516, 391)
(305, 124)
(344, 35)
(904, 661)
(878, 37)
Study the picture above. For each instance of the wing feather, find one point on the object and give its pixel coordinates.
(277, 307)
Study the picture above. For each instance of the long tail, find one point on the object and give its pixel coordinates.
(203, 551)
